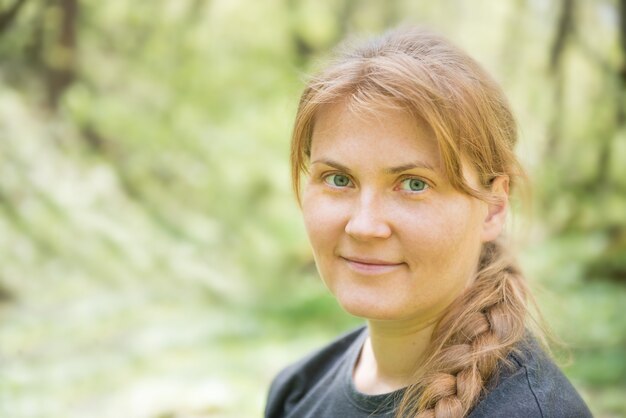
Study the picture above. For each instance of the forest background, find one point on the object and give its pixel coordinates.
(152, 259)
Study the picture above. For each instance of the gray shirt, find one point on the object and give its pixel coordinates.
(320, 385)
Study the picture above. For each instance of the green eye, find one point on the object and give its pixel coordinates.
(414, 185)
(337, 180)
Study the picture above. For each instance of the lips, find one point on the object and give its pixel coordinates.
(370, 266)
(370, 261)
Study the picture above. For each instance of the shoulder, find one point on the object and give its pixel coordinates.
(533, 387)
(294, 381)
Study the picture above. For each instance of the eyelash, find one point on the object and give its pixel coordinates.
(325, 178)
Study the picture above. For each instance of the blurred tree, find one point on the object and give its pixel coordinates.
(45, 44)
(60, 54)
(601, 184)
(564, 31)
(304, 47)
(7, 17)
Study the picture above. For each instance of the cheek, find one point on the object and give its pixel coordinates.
(443, 235)
(323, 218)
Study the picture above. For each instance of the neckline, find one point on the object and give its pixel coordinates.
(379, 404)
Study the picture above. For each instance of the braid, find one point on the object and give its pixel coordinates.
(472, 340)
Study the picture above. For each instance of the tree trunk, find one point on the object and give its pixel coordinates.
(564, 31)
(60, 65)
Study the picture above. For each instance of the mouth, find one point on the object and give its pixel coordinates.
(370, 266)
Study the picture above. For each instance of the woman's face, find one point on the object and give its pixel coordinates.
(392, 239)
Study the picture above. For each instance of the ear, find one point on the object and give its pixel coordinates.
(497, 210)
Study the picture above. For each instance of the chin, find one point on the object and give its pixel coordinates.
(374, 310)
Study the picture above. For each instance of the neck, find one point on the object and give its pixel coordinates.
(391, 355)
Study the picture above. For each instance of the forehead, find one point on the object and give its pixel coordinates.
(380, 133)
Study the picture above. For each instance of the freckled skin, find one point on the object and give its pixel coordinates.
(433, 237)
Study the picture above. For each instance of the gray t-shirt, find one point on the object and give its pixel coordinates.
(320, 386)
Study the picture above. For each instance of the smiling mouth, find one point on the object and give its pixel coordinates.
(370, 266)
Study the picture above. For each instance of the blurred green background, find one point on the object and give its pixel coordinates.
(152, 259)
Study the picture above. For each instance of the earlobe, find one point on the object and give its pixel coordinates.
(496, 210)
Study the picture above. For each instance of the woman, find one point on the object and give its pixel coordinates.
(407, 148)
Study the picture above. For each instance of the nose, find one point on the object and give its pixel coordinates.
(368, 220)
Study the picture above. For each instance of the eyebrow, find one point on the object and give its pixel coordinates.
(409, 166)
(390, 170)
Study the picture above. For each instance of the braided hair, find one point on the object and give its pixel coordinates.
(472, 339)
